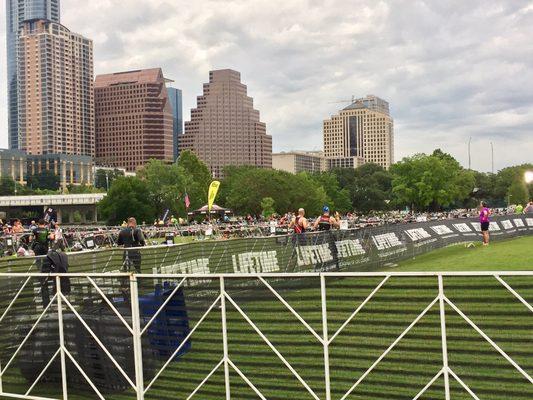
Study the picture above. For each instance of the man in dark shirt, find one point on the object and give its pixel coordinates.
(41, 238)
(131, 237)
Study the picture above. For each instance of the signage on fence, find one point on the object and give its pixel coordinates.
(356, 250)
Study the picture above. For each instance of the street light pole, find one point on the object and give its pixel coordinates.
(492, 158)
(469, 154)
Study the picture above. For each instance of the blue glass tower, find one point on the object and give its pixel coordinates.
(174, 96)
(18, 11)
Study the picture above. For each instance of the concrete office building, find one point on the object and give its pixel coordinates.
(71, 169)
(134, 121)
(55, 96)
(13, 165)
(299, 161)
(225, 129)
(175, 98)
(18, 11)
(361, 132)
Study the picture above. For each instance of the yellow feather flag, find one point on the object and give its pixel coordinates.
(213, 190)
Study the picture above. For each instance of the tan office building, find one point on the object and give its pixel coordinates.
(299, 161)
(225, 129)
(55, 92)
(134, 121)
(363, 132)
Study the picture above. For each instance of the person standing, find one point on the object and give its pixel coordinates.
(484, 219)
(519, 209)
(299, 223)
(59, 242)
(324, 224)
(17, 227)
(529, 208)
(41, 238)
(131, 237)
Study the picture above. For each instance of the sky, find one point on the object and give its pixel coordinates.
(451, 70)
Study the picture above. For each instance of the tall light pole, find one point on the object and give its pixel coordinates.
(492, 155)
(469, 154)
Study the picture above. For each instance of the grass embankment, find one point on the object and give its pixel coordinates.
(508, 255)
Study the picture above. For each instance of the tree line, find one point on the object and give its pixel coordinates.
(421, 182)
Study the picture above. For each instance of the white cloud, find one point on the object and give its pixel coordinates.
(451, 70)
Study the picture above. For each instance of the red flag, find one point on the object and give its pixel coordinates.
(187, 201)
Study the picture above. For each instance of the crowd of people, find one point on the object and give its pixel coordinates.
(34, 238)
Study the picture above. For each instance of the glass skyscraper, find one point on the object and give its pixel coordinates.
(174, 95)
(18, 11)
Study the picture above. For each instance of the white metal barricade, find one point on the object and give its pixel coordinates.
(140, 386)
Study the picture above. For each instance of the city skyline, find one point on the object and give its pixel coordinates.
(444, 85)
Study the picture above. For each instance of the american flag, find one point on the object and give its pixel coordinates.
(187, 201)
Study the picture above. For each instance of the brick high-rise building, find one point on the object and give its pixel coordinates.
(134, 121)
(225, 128)
(18, 11)
(55, 90)
(361, 132)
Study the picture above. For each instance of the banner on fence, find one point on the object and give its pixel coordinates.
(363, 249)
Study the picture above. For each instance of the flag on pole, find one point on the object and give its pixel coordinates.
(187, 201)
(213, 190)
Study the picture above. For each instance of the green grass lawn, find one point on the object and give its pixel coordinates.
(508, 255)
(402, 373)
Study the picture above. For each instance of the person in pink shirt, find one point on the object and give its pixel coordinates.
(484, 219)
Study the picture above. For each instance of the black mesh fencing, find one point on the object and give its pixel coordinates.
(299, 336)
(365, 249)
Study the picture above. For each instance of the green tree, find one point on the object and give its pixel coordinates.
(7, 186)
(104, 178)
(340, 197)
(46, 180)
(127, 197)
(433, 181)
(518, 192)
(369, 186)
(197, 178)
(267, 204)
(509, 176)
(245, 187)
(166, 185)
(82, 189)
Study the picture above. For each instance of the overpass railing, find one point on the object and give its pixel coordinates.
(241, 336)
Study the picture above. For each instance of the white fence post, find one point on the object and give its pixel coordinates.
(225, 336)
(325, 334)
(445, 367)
(137, 344)
(61, 338)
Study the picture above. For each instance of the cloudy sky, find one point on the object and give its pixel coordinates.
(451, 69)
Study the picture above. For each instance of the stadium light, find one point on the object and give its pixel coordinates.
(528, 177)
